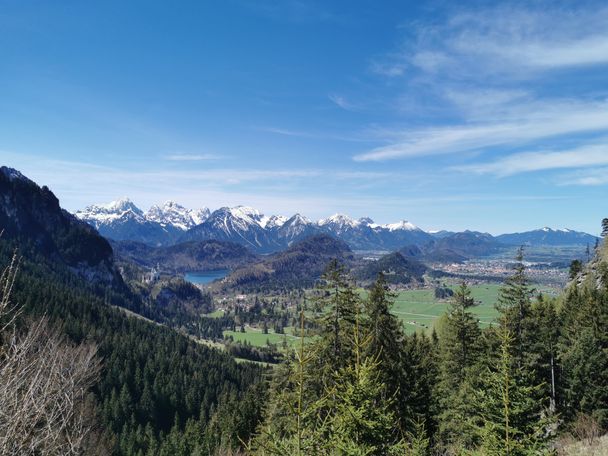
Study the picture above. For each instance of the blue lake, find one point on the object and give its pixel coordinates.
(205, 277)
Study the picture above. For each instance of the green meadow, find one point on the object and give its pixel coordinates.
(419, 310)
(256, 337)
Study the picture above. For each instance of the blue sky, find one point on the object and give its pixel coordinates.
(478, 115)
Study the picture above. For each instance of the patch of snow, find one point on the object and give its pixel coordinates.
(274, 221)
(339, 220)
(366, 221)
(402, 225)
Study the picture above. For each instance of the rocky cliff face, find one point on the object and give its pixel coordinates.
(31, 216)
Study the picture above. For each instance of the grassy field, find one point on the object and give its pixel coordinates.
(215, 314)
(256, 337)
(417, 309)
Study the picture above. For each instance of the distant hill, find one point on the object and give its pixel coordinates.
(300, 266)
(549, 237)
(397, 269)
(468, 244)
(433, 255)
(186, 256)
(454, 247)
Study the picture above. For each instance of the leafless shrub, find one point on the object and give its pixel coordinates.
(586, 429)
(44, 385)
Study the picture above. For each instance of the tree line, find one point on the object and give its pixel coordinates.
(363, 386)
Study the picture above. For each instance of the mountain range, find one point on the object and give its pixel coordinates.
(172, 223)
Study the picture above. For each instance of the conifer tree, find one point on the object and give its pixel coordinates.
(386, 344)
(337, 305)
(383, 328)
(458, 353)
(294, 422)
(514, 303)
(509, 419)
(362, 421)
(584, 353)
(418, 406)
(461, 336)
(575, 269)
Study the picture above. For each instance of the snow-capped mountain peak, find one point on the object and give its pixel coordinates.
(366, 221)
(300, 219)
(120, 205)
(175, 215)
(339, 220)
(274, 221)
(401, 225)
(100, 214)
(200, 215)
(246, 213)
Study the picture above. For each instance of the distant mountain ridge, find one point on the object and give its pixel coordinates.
(122, 220)
(548, 236)
(172, 223)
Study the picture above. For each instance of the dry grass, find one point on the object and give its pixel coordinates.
(599, 447)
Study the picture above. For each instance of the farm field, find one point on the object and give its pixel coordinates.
(418, 310)
(257, 338)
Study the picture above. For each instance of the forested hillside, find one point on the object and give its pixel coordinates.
(157, 391)
(523, 386)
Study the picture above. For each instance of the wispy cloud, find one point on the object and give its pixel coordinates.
(505, 41)
(192, 157)
(582, 157)
(342, 102)
(528, 39)
(587, 177)
(516, 126)
(484, 70)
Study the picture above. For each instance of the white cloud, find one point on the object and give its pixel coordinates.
(515, 126)
(505, 41)
(588, 177)
(531, 39)
(482, 74)
(582, 157)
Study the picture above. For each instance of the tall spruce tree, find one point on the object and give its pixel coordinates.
(337, 305)
(584, 353)
(362, 421)
(386, 344)
(514, 303)
(295, 418)
(458, 353)
(509, 420)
